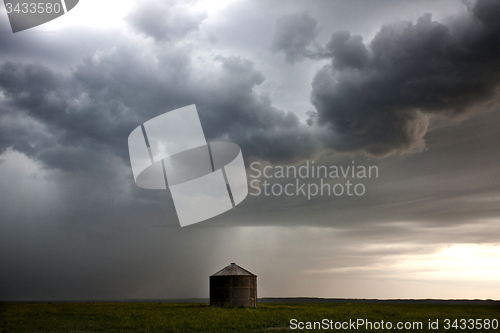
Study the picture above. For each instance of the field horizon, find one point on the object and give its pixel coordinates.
(305, 299)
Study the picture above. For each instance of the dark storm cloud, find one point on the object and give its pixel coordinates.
(165, 20)
(380, 103)
(377, 98)
(73, 121)
(228, 105)
(58, 120)
(347, 51)
(294, 34)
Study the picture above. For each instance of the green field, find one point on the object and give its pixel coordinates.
(168, 317)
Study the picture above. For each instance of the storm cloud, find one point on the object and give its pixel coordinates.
(294, 34)
(378, 97)
(166, 20)
(58, 119)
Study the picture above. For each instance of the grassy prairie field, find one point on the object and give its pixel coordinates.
(168, 317)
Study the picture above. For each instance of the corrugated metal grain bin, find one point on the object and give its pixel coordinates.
(233, 286)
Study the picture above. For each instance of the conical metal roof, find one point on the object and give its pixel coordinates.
(233, 269)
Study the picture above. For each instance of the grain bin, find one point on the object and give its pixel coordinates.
(233, 286)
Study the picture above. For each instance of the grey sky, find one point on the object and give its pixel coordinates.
(386, 84)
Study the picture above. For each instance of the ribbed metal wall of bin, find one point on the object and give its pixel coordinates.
(233, 286)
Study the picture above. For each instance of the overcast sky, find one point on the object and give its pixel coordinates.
(411, 87)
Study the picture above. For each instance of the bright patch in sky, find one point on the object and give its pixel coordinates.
(94, 14)
(459, 262)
